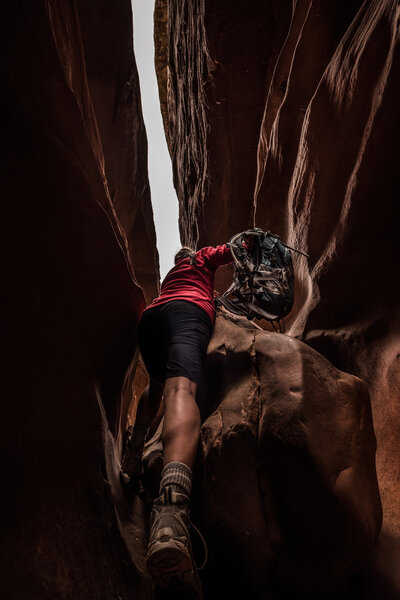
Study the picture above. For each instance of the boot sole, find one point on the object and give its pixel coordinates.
(171, 568)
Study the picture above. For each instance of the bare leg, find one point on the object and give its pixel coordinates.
(170, 557)
(181, 428)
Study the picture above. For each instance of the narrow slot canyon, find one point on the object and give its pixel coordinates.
(277, 114)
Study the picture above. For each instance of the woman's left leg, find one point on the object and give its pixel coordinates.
(149, 403)
(148, 406)
(150, 399)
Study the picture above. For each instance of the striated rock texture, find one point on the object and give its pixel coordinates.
(108, 41)
(212, 86)
(299, 104)
(288, 495)
(70, 301)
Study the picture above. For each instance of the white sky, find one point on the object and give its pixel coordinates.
(163, 196)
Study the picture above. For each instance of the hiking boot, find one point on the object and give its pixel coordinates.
(132, 461)
(169, 557)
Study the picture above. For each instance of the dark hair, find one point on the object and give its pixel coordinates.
(186, 252)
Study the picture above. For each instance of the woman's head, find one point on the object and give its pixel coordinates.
(186, 252)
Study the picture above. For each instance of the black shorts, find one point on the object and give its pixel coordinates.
(173, 340)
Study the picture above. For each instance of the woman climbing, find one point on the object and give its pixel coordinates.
(173, 336)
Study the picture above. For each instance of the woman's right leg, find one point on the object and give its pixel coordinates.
(170, 558)
(181, 429)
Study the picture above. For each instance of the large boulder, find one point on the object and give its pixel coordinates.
(287, 494)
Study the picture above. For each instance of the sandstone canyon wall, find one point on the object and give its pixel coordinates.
(284, 115)
(276, 113)
(76, 217)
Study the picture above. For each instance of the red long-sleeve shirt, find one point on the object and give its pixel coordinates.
(195, 283)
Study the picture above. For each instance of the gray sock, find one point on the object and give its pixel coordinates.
(178, 477)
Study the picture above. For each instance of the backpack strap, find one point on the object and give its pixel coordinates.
(263, 313)
(294, 249)
(287, 245)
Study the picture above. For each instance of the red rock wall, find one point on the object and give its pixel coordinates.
(114, 89)
(70, 303)
(214, 154)
(299, 104)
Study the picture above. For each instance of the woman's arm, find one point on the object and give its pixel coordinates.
(217, 256)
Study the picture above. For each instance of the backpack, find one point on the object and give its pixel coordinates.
(263, 281)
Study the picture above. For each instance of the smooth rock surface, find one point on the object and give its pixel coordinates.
(70, 306)
(113, 81)
(287, 493)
